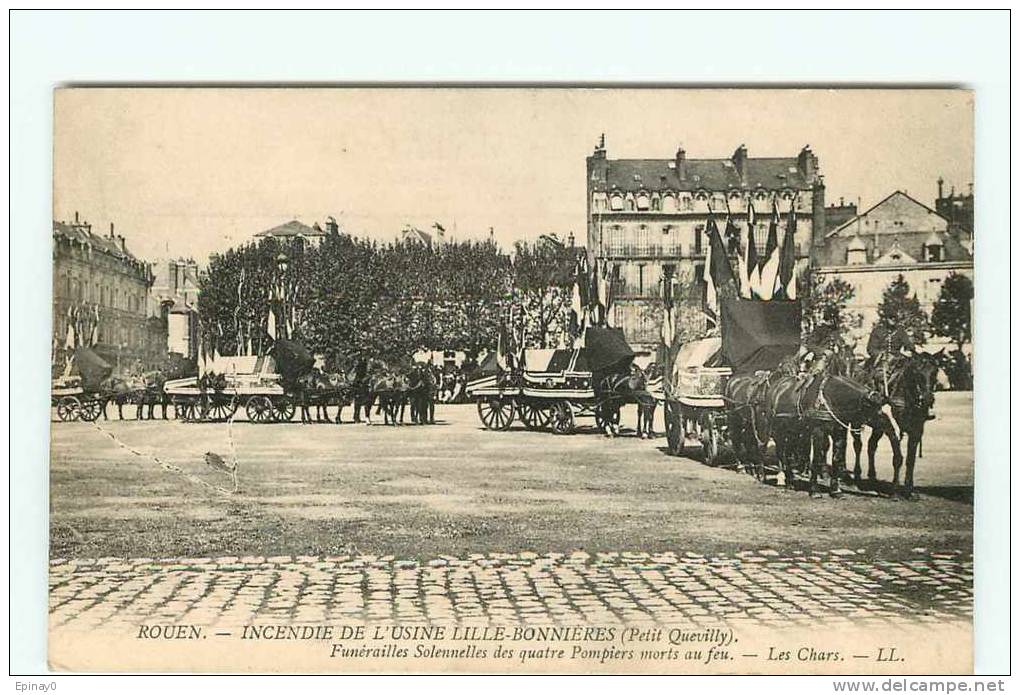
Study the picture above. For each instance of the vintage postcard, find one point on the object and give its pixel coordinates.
(530, 380)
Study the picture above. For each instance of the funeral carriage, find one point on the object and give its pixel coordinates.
(269, 388)
(552, 389)
(79, 393)
(753, 336)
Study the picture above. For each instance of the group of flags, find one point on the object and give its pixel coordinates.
(278, 322)
(770, 276)
(82, 326)
(591, 296)
(82, 331)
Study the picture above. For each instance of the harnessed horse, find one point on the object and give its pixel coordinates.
(908, 383)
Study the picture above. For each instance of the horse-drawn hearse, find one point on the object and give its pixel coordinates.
(81, 392)
(754, 336)
(551, 389)
(755, 384)
(270, 388)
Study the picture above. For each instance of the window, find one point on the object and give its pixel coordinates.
(616, 203)
(933, 253)
(642, 247)
(698, 231)
(642, 201)
(856, 256)
(614, 242)
(641, 279)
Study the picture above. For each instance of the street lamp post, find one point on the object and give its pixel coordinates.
(281, 266)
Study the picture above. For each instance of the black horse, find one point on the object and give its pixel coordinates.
(908, 383)
(747, 421)
(806, 412)
(150, 396)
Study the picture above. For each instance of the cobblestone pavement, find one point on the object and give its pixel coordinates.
(749, 587)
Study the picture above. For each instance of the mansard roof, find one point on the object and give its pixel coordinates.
(771, 173)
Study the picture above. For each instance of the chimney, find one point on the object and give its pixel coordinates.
(941, 182)
(681, 163)
(76, 217)
(807, 164)
(570, 240)
(121, 244)
(331, 226)
(111, 230)
(841, 201)
(739, 160)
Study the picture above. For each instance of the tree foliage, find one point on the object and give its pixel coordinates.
(826, 320)
(542, 278)
(353, 297)
(950, 317)
(900, 308)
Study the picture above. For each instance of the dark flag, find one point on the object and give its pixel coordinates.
(770, 262)
(718, 277)
(749, 275)
(786, 280)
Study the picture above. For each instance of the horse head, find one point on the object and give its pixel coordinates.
(919, 380)
(851, 401)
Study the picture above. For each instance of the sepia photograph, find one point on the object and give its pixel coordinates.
(512, 380)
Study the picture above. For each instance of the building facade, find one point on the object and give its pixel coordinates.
(897, 236)
(95, 274)
(299, 230)
(174, 298)
(647, 218)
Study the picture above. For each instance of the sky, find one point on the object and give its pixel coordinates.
(192, 171)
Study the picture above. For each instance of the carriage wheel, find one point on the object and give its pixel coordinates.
(534, 416)
(562, 417)
(219, 410)
(259, 409)
(68, 409)
(90, 410)
(674, 429)
(496, 413)
(283, 409)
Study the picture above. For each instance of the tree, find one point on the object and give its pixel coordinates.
(950, 317)
(542, 277)
(901, 309)
(682, 304)
(825, 319)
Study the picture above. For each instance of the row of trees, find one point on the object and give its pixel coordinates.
(828, 321)
(351, 297)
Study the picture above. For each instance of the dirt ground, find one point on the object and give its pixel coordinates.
(456, 489)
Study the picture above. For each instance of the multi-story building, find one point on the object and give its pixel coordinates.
(299, 230)
(647, 217)
(94, 272)
(174, 297)
(897, 236)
